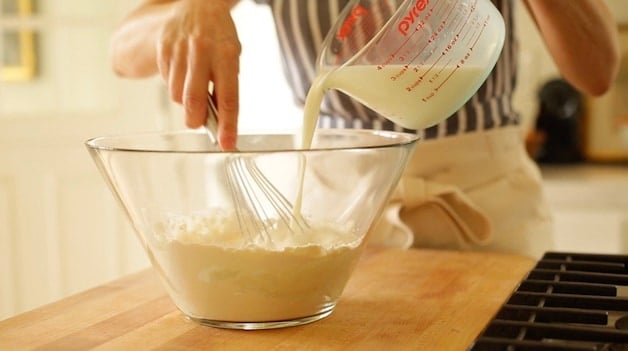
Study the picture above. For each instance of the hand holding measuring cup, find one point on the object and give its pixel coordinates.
(416, 62)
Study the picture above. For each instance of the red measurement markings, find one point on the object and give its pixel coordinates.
(412, 16)
(419, 27)
(408, 38)
(473, 36)
(484, 25)
(399, 73)
(462, 23)
(462, 32)
(448, 77)
(443, 81)
(466, 56)
(442, 25)
(434, 36)
(451, 45)
(414, 84)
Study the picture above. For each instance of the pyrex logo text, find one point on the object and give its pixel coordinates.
(413, 14)
(347, 25)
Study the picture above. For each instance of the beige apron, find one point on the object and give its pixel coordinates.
(478, 191)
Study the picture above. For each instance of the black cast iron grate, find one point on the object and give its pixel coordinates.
(567, 302)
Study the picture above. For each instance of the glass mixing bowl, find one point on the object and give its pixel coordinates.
(265, 237)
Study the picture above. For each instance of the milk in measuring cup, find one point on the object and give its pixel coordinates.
(412, 97)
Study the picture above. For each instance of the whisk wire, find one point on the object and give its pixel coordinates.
(243, 211)
(258, 204)
(277, 200)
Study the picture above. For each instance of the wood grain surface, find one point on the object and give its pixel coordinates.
(396, 300)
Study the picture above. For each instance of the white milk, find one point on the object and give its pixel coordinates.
(213, 272)
(415, 99)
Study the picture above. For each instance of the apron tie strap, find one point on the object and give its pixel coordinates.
(425, 213)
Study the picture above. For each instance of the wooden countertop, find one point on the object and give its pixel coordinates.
(396, 300)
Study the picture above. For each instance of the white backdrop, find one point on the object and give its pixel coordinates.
(266, 100)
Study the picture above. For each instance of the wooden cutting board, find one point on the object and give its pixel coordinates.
(396, 300)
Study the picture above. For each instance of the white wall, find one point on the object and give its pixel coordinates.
(266, 100)
(60, 229)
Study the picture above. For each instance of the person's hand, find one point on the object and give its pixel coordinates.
(199, 45)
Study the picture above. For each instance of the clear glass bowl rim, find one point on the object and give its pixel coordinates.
(386, 139)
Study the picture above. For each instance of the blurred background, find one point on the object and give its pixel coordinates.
(62, 232)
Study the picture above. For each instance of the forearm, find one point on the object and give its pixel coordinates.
(581, 36)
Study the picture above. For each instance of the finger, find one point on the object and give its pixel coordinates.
(164, 55)
(177, 73)
(226, 91)
(196, 83)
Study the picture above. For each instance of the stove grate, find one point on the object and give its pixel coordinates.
(567, 302)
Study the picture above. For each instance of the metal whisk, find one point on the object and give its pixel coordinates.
(260, 207)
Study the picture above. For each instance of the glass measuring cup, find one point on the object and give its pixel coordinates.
(416, 62)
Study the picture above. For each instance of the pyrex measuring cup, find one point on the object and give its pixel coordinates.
(416, 62)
